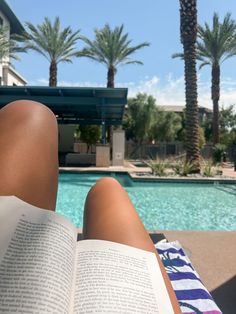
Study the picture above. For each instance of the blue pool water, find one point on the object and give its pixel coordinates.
(169, 206)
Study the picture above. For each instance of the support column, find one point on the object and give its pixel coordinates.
(102, 156)
(118, 151)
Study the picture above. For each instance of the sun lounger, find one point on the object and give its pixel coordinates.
(193, 297)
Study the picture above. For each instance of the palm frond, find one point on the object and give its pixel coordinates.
(203, 64)
(111, 47)
(178, 55)
(217, 44)
(9, 47)
(52, 42)
(132, 62)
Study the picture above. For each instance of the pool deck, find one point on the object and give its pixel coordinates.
(144, 173)
(213, 253)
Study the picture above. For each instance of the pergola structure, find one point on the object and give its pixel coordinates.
(74, 105)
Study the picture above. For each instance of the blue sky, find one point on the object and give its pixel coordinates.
(155, 21)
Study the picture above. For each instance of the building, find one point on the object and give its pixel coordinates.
(8, 75)
(203, 112)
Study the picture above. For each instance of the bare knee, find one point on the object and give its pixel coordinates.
(28, 109)
(107, 181)
(25, 105)
(26, 113)
(104, 185)
(105, 190)
(29, 164)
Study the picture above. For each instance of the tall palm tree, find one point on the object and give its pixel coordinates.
(213, 47)
(188, 30)
(111, 48)
(54, 44)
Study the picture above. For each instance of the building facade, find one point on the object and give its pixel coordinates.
(8, 75)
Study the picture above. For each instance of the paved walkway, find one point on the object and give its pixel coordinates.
(229, 172)
(129, 167)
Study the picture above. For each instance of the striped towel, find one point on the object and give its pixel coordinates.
(193, 297)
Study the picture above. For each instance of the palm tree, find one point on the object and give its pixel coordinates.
(54, 44)
(188, 30)
(213, 47)
(8, 46)
(111, 48)
(4, 42)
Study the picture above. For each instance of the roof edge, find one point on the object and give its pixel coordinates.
(15, 25)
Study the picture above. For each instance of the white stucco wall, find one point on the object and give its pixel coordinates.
(5, 20)
(11, 77)
(8, 75)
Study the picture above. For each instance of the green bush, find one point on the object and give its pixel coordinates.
(158, 168)
(218, 152)
(183, 168)
(208, 170)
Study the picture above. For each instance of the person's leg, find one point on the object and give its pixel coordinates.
(110, 215)
(29, 153)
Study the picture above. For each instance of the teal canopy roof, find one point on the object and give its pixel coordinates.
(74, 105)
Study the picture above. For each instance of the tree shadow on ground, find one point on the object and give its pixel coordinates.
(225, 296)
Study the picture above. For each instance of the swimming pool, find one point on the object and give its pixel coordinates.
(167, 206)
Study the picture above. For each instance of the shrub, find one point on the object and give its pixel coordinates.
(208, 170)
(158, 168)
(183, 168)
(218, 152)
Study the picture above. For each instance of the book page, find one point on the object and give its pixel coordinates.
(37, 250)
(116, 278)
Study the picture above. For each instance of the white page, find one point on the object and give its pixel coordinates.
(115, 278)
(37, 250)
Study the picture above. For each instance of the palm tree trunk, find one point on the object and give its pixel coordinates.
(188, 27)
(53, 74)
(110, 84)
(111, 77)
(215, 96)
(192, 123)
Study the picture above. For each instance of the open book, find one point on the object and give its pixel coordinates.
(43, 269)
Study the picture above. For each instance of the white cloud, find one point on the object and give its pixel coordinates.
(80, 84)
(44, 82)
(167, 91)
(171, 91)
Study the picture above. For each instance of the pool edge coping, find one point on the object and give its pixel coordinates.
(149, 178)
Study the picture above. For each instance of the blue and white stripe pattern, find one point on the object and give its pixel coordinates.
(193, 297)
